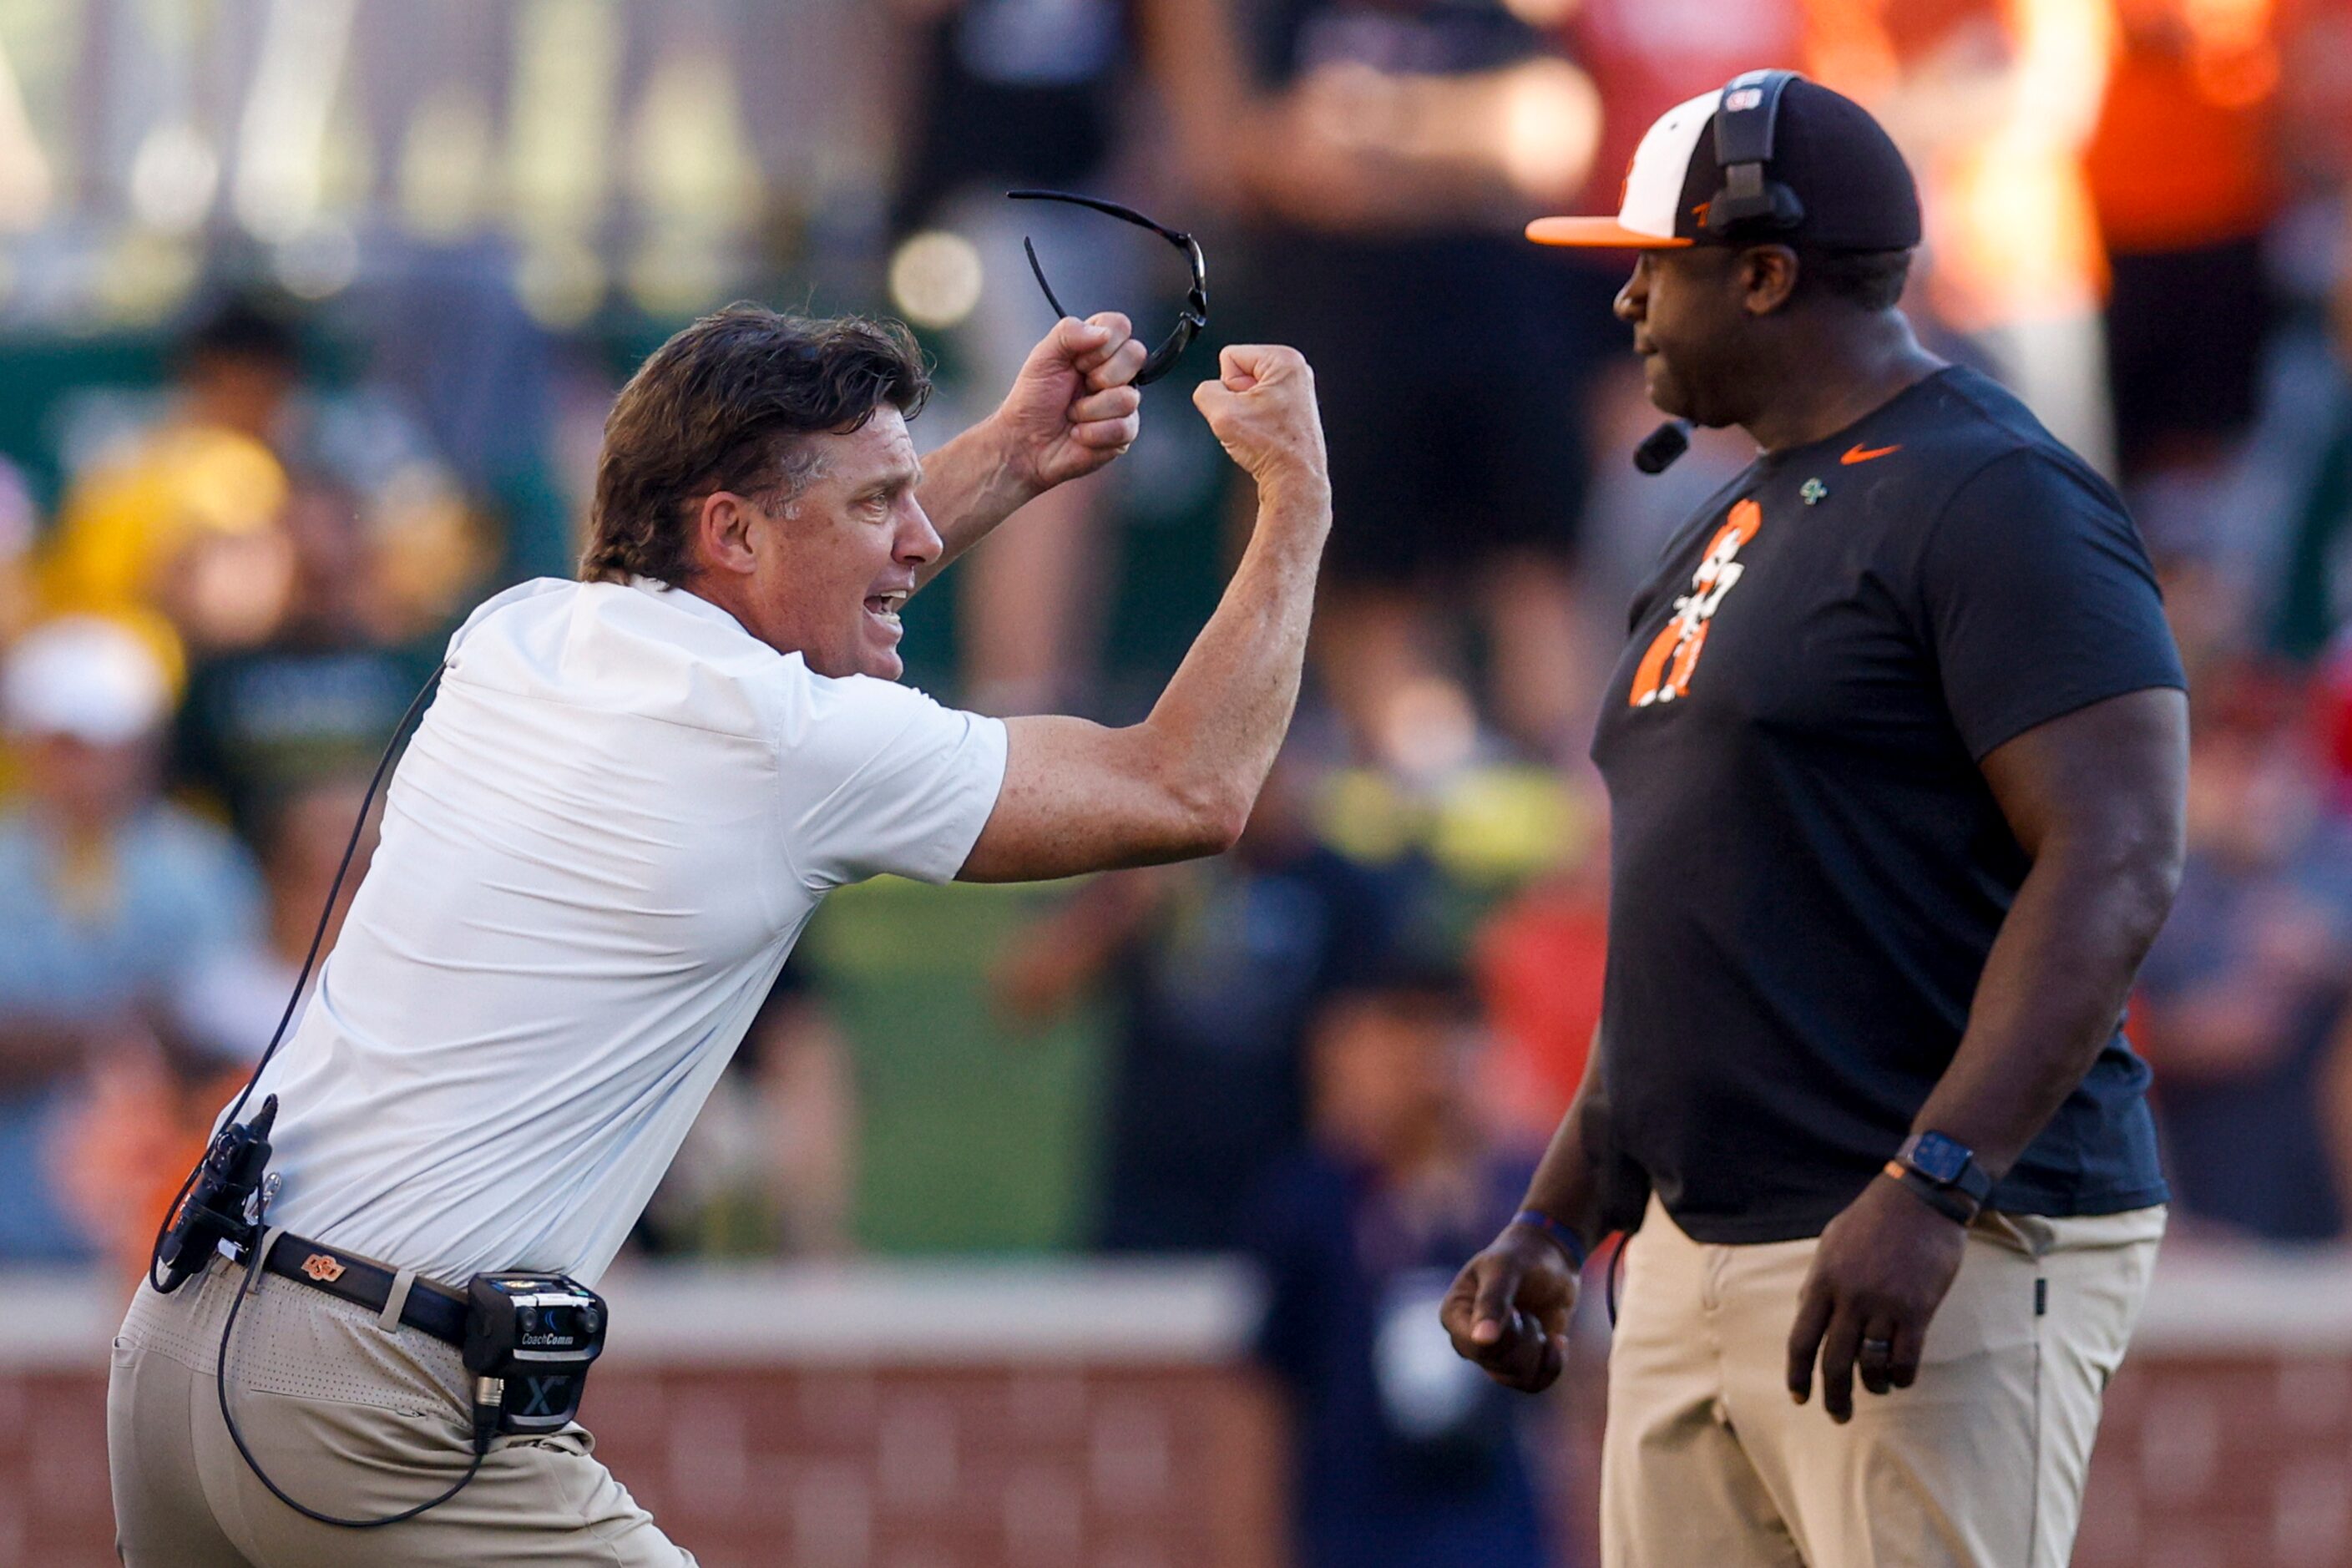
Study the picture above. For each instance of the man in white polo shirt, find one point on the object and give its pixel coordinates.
(626, 801)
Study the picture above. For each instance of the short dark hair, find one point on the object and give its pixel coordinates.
(249, 326)
(1413, 973)
(728, 404)
(1866, 280)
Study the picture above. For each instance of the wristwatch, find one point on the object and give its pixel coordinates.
(1942, 1173)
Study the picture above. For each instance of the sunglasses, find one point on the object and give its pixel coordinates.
(1189, 321)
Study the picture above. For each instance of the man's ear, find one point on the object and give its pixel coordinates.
(1768, 276)
(722, 533)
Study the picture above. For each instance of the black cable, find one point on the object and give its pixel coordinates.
(318, 937)
(1609, 1281)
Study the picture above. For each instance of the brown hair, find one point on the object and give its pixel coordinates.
(726, 404)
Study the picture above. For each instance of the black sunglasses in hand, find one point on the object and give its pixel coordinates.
(1189, 322)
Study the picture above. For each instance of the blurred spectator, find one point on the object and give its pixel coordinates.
(1541, 962)
(109, 898)
(1388, 157)
(321, 693)
(1403, 1453)
(1994, 101)
(2332, 715)
(2317, 596)
(1647, 56)
(147, 1114)
(239, 371)
(20, 526)
(180, 530)
(179, 534)
(1011, 94)
(1216, 967)
(228, 1006)
(2184, 171)
(2244, 994)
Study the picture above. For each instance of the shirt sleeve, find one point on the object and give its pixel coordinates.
(2038, 599)
(882, 780)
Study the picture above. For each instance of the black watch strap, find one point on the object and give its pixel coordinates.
(1946, 1201)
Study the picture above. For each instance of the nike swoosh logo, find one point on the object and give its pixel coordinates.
(1858, 453)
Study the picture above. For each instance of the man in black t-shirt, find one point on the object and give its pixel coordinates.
(1896, 754)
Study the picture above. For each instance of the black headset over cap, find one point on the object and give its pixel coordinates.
(1744, 124)
(1769, 156)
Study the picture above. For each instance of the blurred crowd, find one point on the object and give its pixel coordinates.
(1338, 1047)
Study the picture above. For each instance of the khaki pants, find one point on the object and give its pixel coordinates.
(1979, 1464)
(350, 1418)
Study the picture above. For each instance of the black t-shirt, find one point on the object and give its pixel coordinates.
(1019, 92)
(1809, 869)
(259, 724)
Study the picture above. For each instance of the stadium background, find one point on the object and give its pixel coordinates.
(309, 311)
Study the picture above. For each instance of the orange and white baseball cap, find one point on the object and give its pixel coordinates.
(1853, 190)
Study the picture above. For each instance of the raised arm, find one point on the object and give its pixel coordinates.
(1071, 410)
(1081, 798)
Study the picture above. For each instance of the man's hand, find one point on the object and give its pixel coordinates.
(1262, 407)
(1507, 1310)
(1073, 406)
(1880, 1272)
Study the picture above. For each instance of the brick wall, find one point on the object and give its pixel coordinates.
(831, 1436)
(2214, 1462)
(53, 1499)
(939, 1467)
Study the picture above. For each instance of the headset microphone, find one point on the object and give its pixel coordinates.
(1663, 445)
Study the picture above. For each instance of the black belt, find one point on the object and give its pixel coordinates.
(431, 1309)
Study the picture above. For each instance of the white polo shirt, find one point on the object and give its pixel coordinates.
(615, 818)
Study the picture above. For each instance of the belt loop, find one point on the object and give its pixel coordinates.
(261, 1256)
(389, 1317)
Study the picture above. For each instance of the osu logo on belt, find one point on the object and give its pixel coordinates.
(323, 1268)
(1666, 668)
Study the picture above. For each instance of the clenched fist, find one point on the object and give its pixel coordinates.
(1262, 407)
(1073, 406)
(1509, 1309)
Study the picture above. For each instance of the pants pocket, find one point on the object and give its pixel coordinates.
(304, 1346)
(355, 1460)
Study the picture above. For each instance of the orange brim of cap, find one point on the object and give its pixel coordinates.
(1605, 232)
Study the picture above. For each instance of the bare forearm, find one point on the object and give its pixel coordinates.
(1566, 1184)
(970, 486)
(2052, 988)
(1223, 714)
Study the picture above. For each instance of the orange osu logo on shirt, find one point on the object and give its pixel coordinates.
(323, 1268)
(1673, 657)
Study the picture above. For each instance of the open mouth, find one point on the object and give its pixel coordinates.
(884, 607)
